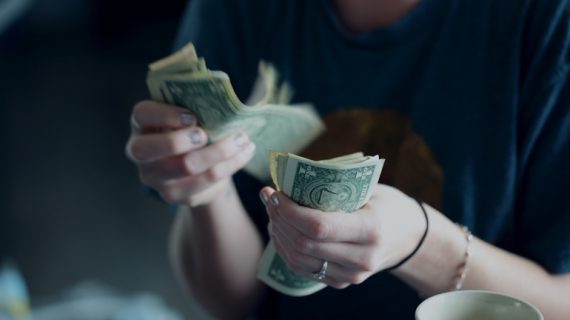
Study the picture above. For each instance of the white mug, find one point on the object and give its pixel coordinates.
(476, 305)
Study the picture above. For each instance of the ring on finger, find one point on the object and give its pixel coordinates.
(322, 273)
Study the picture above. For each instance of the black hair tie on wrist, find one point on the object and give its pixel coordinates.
(422, 240)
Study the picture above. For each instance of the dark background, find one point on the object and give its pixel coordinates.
(71, 206)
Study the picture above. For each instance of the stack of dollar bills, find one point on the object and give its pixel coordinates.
(184, 80)
(342, 184)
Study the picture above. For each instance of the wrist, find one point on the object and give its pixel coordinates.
(211, 197)
(433, 268)
(420, 242)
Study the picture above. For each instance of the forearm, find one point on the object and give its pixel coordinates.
(434, 267)
(215, 249)
(498, 270)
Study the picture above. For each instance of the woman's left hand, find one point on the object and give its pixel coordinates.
(356, 245)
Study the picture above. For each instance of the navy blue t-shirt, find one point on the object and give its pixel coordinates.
(468, 101)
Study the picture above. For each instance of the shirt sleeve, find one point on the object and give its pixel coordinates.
(543, 204)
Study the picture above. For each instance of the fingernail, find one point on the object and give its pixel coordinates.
(186, 119)
(241, 139)
(195, 136)
(275, 200)
(263, 198)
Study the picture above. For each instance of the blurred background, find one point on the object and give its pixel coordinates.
(71, 206)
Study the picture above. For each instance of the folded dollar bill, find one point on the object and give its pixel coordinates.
(340, 184)
(184, 80)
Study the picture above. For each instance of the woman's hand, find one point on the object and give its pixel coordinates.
(356, 245)
(170, 152)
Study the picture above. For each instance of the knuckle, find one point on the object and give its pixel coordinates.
(358, 278)
(170, 168)
(374, 235)
(219, 150)
(223, 150)
(232, 166)
(171, 144)
(368, 263)
(135, 149)
(192, 164)
(214, 174)
(188, 165)
(320, 229)
(304, 244)
(139, 106)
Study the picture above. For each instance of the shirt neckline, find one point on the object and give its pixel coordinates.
(417, 21)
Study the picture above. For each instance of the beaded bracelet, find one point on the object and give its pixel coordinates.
(459, 279)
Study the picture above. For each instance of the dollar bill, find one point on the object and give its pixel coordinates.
(184, 80)
(340, 184)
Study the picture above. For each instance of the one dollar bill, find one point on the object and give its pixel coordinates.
(184, 80)
(341, 184)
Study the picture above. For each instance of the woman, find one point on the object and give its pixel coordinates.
(469, 101)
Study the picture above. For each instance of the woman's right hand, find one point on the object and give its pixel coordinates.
(173, 157)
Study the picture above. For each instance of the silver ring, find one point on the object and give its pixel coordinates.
(321, 274)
